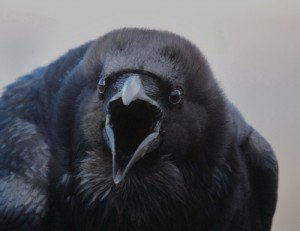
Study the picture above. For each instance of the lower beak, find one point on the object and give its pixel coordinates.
(121, 167)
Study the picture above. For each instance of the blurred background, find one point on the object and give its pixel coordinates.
(253, 48)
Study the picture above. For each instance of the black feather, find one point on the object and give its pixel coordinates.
(209, 169)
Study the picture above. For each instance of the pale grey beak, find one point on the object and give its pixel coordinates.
(131, 91)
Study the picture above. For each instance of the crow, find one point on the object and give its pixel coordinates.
(131, 132)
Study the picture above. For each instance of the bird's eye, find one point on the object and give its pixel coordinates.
(101, 86)
(175, 96)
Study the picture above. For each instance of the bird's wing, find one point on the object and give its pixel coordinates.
(23, 182)
(25, 121)
(263, 170)
(262, 166)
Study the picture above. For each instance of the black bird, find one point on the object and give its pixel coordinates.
(131, 132)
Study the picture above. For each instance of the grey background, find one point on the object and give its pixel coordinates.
(252, 46)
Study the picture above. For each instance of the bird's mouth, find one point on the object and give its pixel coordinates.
(132, 126)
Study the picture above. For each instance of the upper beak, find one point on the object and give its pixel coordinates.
(131, 91)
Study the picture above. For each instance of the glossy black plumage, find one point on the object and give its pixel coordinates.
(208, 170)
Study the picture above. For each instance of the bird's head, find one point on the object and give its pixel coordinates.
(133, 120)
(158, 97)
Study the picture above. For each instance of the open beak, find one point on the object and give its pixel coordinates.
(132, 126)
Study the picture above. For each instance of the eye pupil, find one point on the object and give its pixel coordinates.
(101, 86)
(175, 96)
